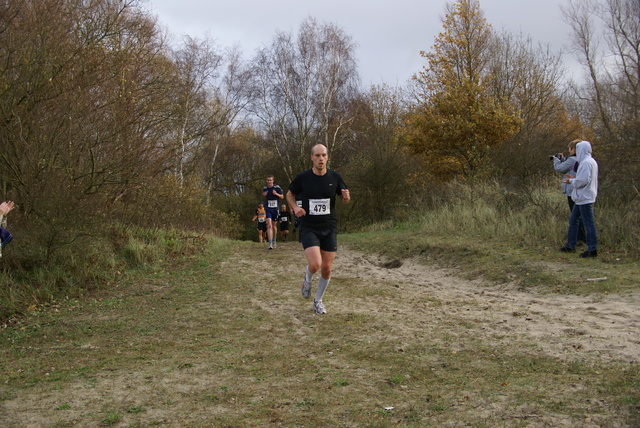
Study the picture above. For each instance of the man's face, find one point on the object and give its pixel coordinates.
(269, 181)
(319, 157)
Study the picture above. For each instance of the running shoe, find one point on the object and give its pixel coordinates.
(271, 247)
(306, 288)
(319, 307)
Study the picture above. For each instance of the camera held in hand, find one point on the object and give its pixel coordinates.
(557, 156)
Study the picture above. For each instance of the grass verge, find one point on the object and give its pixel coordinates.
(222, 338)
(541, 267)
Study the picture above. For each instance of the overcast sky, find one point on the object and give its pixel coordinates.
(389, 33)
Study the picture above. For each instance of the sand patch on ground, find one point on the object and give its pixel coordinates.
(566, 327)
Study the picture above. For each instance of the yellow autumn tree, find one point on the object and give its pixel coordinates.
(458, 120)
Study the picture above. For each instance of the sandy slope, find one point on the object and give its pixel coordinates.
(568, 327)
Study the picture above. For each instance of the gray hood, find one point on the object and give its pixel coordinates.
(583, 151)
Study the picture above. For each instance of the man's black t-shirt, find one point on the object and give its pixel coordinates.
(318, 195)
(283, 218)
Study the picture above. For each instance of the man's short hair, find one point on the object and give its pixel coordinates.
(316, 145)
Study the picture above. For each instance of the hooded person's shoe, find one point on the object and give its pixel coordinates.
(588, 253)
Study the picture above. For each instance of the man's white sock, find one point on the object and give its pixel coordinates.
(322, 286)
(308, 275)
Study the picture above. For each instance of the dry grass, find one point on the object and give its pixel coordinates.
(225, 339)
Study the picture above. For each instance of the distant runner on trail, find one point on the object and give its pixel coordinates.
(317, 188)
(273, 193)
(261, 225)
(296, 219)
(283, 219)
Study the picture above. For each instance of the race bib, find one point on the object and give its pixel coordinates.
(283, 218)
(272, 203)
(261, 220)
(319, 206)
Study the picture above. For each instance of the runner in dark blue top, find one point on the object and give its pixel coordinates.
(317, 188)
(273, 193)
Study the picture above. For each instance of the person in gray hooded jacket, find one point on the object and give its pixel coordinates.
(584, 194)
(568, 165)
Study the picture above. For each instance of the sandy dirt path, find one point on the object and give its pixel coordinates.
(567, 327)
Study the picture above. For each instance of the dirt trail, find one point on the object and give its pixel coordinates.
(166, 363)
(568, 327)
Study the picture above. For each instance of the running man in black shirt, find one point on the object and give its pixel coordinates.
(317, 188)
(283, 219)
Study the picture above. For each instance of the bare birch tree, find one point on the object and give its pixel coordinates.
(529, 76)
(301, 87)
(212, 91)
(197, 65)
(606, 38)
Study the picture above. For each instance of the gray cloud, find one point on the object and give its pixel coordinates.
(390, 33)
